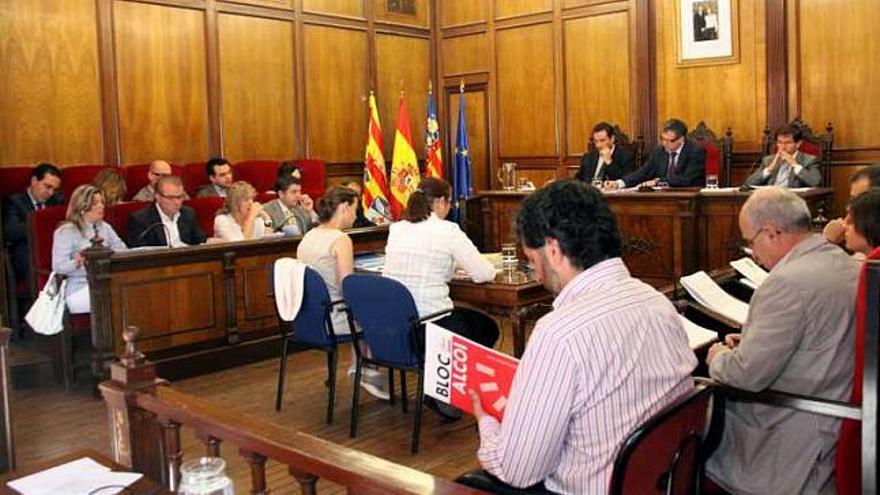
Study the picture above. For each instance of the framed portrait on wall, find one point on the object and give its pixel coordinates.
(708, 32)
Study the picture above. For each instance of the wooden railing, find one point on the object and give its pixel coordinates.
(146, 415)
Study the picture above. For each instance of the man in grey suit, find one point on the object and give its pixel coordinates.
(798, 338)
(293, 212)
(788, 167)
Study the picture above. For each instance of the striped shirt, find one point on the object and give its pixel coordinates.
(611, 353)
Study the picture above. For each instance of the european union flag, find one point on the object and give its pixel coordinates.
(462, 183)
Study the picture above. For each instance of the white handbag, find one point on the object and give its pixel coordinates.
(46, 316)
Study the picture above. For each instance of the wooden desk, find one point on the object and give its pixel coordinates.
(666, 234)
(143, 486)
(515, 296)
(199, 308)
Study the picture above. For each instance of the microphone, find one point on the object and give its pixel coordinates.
(745, 187)
(153, 227)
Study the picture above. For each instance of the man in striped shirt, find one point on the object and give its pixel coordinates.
(611, 353)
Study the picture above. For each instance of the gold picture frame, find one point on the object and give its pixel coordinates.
(707, 32)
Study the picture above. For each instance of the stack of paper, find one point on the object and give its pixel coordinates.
(750, 270)
(719, 190)
(370, 262)
(698, 336)
(82, 476)
(706, 292)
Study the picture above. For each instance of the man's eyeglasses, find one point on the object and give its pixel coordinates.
(172, 196)
(751, 242)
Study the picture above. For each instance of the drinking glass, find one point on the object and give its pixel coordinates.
(204, 476)
(711, 181)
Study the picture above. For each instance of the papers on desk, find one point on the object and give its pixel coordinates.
(698, 336)
(79, 477)
(750, 270)
(373, 262)
(706, 292)
(719, 190)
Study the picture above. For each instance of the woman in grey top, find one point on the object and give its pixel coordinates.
(85, 219)
(329, 250)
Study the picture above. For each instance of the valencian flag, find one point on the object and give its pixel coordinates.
(462, 186)
(433, 156)
(404, 165)
(375, 198)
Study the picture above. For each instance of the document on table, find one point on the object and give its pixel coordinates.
(750, 270)
(719, 190)
(706, 292)
(698, 336)
(373, 262)
(79, 477)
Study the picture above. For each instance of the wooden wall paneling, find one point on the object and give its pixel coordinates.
(109, 91)
(597, 77)
(777, 63)
(335, 65)
(465, 54)
(526, 117)
(724, 95)
(50, 97)
(538, 176)
(275, 4)
(162, 82)
(407, 60)
(459, 12)
(257, 83)
(511, 8)
(351, 8)
(420, 17)
(300, 79)
(477, 119)
(643, 66)
(839, 71)
(212, 65)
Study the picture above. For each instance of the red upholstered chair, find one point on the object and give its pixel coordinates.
(194, 177)
(14, 180)
(136, 177)
(719, 152)
(117, 216)
(206, 210)
(71, 177)
(265, 197)
(812, 144)
(259, 173)
(313, 178)
(663, 454)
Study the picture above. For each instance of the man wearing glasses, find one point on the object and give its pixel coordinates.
(677, 162)
(158, 168)
(167, 222)
(798, 338)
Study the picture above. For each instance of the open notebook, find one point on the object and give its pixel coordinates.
(708, 293)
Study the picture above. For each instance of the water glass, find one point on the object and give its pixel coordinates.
(597, 183)
(509, 260)
(711, 181)
(204, 476)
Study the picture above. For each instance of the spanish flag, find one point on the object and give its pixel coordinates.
(375, 196)
(404, 165)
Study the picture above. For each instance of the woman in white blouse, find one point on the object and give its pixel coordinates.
(422, 252)
(241, 217)
(85, 220)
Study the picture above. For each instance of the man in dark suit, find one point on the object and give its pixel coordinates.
(220, 174)
(606, 160)
(43, 191)
(167, 222)
(677, 162)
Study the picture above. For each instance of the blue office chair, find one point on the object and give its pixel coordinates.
(390, 325)
(311, 329)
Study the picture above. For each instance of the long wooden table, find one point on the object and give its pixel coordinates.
(199, 308)
(666, 234)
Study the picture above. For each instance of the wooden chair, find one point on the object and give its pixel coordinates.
(813, 144)
(719, 151)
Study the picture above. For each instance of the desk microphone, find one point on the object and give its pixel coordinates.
(152, 227)
(745, 187)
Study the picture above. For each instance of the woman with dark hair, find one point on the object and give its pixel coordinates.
(863, 223)
(329, 250)
(422, 252)
(84, 220)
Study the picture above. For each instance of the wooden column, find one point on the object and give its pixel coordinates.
(97, 262)
(134, 431)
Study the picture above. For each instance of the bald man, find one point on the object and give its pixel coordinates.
(158, 169)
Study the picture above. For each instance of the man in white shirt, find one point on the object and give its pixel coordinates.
(167, 222)
(788, 167)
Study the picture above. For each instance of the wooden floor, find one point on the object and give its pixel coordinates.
(49, 421)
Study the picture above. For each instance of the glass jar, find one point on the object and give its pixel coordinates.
(204, 476)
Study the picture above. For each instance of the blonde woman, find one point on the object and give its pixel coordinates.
(241, 217)
(85, 219)
(112, 186)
